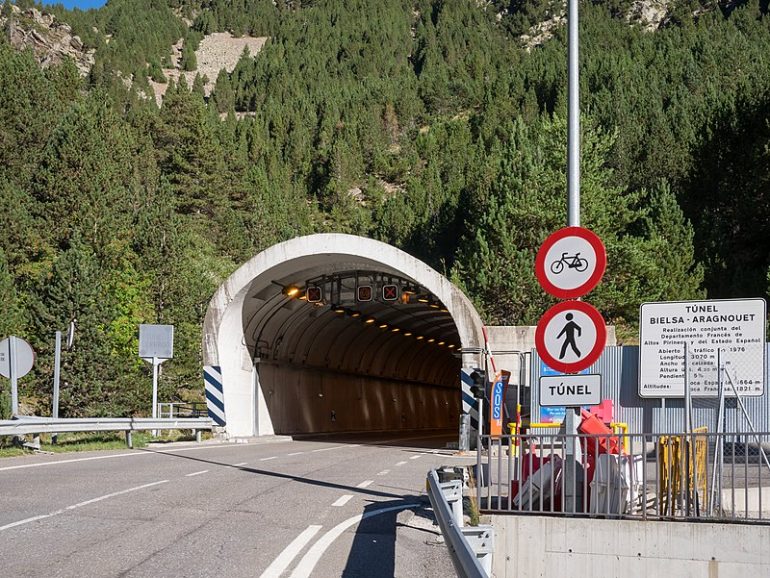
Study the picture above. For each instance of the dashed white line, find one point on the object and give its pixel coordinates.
(383, 473)
(265, 459)
(415, 457)
(342, 500)
(80, 505)
(295, 453)
(289, 553)
(329, 449)
(400, 463)
(241, 464)
(195, 474)
(365, 484)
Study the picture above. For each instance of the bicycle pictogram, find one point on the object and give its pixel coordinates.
(571, 261)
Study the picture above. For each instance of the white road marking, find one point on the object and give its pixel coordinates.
(80, 505)
(415, 457)
(241, 464)
(365, 484)
(384, 473)
(134, 453)
(308, 562)
(289, 553)
(400, 463)
(342, 500)
(329, 449)
(296, 453)
(195, 474)
(265, 459)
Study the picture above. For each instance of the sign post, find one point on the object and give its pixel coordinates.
(156, 345)
(16, 360)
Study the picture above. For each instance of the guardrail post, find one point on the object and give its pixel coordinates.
(453, 493)
(129, 439)
(482, 541)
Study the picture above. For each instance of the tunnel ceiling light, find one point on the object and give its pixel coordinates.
(339, 310)
(396, 329)
(431, 340)
(355, 314)
(370, 320)
(384, 326)
(408, 334)
(442, 343)
(420, 338)
(451, 346)
(423, 300)
(435, 306)
(445, 310)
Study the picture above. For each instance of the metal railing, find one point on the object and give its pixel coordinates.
(38, 425)
(184, 409)
(700, 475)
(470, 547)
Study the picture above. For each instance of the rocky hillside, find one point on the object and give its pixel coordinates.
(51, 41)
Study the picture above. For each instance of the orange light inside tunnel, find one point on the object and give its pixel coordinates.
(291, 291)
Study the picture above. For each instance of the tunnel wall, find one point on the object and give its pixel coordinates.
(301, 400)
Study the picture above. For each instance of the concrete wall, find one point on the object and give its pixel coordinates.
(530, 546)
(301, 400)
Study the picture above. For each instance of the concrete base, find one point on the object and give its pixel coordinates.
(528, 546)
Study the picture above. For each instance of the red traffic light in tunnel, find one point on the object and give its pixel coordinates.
(314, 294)
(390, 292)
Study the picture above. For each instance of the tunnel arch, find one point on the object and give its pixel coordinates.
(287, 365)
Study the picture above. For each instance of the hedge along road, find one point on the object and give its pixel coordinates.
(299, 508)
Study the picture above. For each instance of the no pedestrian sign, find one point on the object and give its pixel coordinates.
(570, 336)
(570, 262)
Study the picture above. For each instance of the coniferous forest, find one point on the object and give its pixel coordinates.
(423, 123)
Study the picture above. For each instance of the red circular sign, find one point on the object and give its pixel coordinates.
(570, 336)
(570, 262)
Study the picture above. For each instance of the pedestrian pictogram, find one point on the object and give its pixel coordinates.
(570, 336)
(390, 292)
(571, 262)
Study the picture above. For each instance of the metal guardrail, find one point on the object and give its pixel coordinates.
(38, 425)
(470, 547)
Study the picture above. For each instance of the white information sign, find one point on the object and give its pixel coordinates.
(732, 330)
(575, 390)
(156, 341)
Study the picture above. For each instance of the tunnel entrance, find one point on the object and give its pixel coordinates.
(337, 333)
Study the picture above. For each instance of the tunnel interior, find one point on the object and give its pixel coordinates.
(342, 345)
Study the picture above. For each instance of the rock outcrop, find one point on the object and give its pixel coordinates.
(51, 41)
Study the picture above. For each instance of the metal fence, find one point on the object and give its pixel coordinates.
(700, 475)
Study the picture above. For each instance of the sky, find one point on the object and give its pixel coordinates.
(82, 4)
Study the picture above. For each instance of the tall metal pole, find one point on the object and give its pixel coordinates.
(155, 364)
(573, 491)
(56, 378)
(13, 369)
(573, 117)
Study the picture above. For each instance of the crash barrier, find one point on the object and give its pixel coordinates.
(38, 425)
(470, 547)
(689, 476)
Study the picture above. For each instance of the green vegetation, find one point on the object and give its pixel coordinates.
(117, 212)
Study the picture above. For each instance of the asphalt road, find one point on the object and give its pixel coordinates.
(273, 507)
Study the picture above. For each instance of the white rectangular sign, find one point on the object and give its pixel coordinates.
(156, 341)
(732, 330)
(570, 390)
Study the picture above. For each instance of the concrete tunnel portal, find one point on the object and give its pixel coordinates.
(337, 333)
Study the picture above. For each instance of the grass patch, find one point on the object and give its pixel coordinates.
(88, 442)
